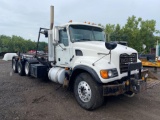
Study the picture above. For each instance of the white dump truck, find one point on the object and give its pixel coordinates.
(80, 58)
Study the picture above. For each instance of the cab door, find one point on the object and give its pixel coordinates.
(63, 49)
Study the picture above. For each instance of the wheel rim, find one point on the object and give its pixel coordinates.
(84, 91)
(14, 65)
(27, 68)
(19, 69)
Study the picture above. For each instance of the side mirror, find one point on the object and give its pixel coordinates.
(110, 45)
(46, 33)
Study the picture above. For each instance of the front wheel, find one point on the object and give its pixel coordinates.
(87, 92)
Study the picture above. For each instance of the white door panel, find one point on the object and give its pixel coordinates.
(63, 49)
(63, 54)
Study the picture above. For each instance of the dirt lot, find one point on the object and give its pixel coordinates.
(25, 98)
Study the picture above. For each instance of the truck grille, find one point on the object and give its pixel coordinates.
(125, 59)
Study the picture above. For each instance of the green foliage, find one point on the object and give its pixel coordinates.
(109, 29)
(136, 32)
(17, 43)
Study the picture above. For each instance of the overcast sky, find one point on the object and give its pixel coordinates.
(25, 17)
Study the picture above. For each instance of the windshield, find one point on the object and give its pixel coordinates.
(86, 33)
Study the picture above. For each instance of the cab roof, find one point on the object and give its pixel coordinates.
(80, 23)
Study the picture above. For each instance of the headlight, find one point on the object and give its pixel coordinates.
(110, 73)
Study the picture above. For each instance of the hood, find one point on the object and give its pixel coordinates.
(99, 47)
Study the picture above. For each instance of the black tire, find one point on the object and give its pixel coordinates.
(14, 65)
(27, 68)
(87, 92)
(20, 68)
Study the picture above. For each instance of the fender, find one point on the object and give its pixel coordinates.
(91, 71)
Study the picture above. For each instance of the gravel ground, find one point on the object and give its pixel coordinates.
(26, 98)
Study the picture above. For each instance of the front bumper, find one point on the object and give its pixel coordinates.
(136, 86)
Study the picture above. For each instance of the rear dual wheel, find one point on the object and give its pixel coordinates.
(14, 65)
(20, 68)
(27, 68)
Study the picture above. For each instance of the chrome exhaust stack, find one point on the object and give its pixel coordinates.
(51, 17)
(51, 50)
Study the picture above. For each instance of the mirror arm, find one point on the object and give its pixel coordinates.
(101, 57)
(62, 47)
(110, 57)
(103, 53)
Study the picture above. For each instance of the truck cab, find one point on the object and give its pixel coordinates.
(80, 58)
(81, 44)
(82, 48)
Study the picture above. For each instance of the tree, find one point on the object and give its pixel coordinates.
(147, 30)
(42, 46)
(108, 30)
(132, 33)
(136, 32)
(18, 44)
(116, 34)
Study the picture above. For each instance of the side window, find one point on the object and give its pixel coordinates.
(63, 37)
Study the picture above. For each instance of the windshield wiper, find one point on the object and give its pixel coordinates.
(80, 40)
(99, 40)
(83, 40)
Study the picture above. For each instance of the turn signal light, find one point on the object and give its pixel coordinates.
(104, 74)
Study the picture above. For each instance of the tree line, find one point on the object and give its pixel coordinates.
(19, 44)
(136, 32)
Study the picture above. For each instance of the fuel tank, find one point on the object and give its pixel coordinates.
(57, 74)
